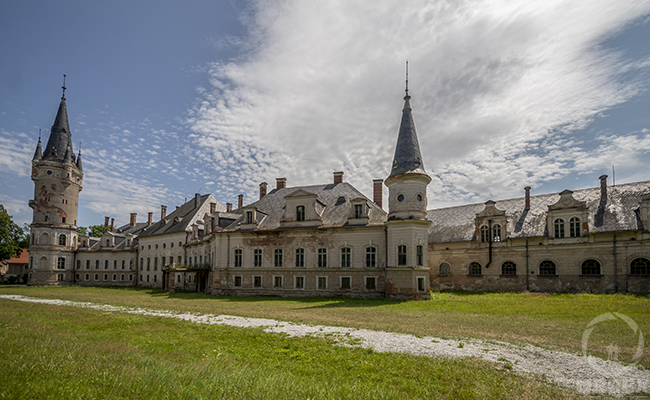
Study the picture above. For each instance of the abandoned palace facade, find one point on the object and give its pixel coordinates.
(332, 240)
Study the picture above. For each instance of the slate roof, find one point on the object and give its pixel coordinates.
(182, 218)
(134, 230)
(60, 140)
(407, 157)
(271, 208)
(618, 213)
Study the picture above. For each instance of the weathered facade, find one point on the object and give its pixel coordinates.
(331, 240)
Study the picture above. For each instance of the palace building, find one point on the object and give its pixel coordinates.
(330, 239)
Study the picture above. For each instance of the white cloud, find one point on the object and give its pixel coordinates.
(497, 87)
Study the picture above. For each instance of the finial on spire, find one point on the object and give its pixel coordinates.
(407, 78)
(39, 134)
(63, 87)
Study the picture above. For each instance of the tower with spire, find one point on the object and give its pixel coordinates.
(58, 179)
(407, 226)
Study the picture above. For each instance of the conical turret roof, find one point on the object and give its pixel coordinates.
(408, 158)
(79, 161)
(38, 154)
(60, 139)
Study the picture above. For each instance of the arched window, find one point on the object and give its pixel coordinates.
(508, 268)
(559, 228)
(475, 268)
(590, 267)
(496, 233)
(640, 266)
(574, 227)
(485, 234)
(62, 240)
(444, 269)
(45, 239)
(547, 267)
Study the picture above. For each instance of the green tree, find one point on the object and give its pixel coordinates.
(92, 230)
(11, 236)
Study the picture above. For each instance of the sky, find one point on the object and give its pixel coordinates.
(167, 99)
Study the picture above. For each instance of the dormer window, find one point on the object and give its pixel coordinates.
(358, 211)
(300, 213)
(108, 242)
(249, 217)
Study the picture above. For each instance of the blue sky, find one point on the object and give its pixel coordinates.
(170, 98)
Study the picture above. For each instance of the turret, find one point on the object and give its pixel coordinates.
(58, 179)
(408, 180)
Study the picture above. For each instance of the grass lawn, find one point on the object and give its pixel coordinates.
(554, 321)
(54, 352)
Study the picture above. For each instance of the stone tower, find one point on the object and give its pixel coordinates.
(58, 179)
(407, 274)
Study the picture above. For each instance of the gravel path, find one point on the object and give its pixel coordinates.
(584, 374)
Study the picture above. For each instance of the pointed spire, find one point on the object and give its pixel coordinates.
(408, 158)
(67, 158)
(38, 154)
(79, 159)
(60, 138)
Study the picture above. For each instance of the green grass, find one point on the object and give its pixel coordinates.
(554, 321)
(54, 352)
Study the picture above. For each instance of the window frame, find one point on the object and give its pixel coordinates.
(278, 258)
(638, 270)
(319, 280)
(547, 265)
(257, 258)
(238, 258)
(299, 259)
(321, 257)
(346, 257)
(371, 257)
(473, 267)
(367, 282)
(507, 266)
(558, 228)
(301, 279)
(401, 255)
(446, 266)
(590, 267)
(300, 213)
(419, 255)
(349, 281)
(574, 227)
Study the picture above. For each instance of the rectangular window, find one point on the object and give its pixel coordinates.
(346, 282)
(299, 282)
(401, 254)
(321, 282)
(148, 264)
(419, 255)
(300, 213)
(421, 284)
(147, 278)
(249, 217)
(155, 263)
(123, 264)
(162, 263)
(105, 264)
(87, 264)
(370, 283)
(257, 258)
(238, 257)
(96, 264)
(346, 257)
(114, 264)
(300, 257)
(60, 263)
(78, 264)
(322, 258)
(371, 257)
(178, 278)
(358, 211)
(155, 278)
(277, 282)
(257, 281)
(60, 277)
(277, 258)
(237, 280)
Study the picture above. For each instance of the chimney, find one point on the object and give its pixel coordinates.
(106, 219)
(262, 189)
(163, 212)
(377, 191)
(197, 200)
(240, 201)
(149, 218)
(132, 221)
(603, 187)
(228, 207)
(112, 222)
(281, 183)
(213, 208)
(338, 177)
(527, 189)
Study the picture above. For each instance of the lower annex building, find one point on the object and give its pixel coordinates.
(332, 240)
